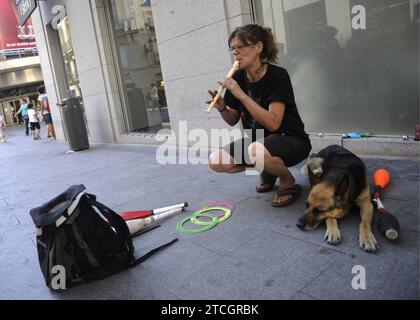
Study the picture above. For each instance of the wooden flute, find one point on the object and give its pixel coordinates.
(219, 92)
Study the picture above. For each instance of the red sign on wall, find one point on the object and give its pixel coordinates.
(12, 36)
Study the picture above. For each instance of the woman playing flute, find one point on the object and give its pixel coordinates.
(261, 95)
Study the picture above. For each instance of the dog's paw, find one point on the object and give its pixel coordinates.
(332, 236)
(368, 242)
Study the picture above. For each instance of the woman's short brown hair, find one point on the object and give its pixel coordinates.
(253, 33)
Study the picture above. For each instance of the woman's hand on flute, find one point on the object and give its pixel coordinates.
(220, 104)
(234, 88)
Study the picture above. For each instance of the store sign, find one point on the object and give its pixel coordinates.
(25, 9)
(14, 37)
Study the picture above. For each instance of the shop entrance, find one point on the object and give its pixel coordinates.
(11, 105)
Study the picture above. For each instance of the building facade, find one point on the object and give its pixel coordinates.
(20, 71)
(140, 66)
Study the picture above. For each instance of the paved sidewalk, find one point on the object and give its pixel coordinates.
(258, 253)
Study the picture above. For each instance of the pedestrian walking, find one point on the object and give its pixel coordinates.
(24, 111)
(45, 112)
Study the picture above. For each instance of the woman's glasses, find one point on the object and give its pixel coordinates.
(239, 47)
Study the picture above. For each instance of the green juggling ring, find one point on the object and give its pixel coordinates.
(226, 216)
(180, 225)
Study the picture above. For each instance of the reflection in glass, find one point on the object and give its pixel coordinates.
(348, 79)
(145, 107)
(73, 82)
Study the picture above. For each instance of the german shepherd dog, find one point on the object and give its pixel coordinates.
(338, 180)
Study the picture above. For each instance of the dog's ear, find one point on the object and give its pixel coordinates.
(342, 188)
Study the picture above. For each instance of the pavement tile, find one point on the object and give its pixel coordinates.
(391, 273)
(301, 296)
(178, 262)
(133, 284)
(271, 266)
(20, 274)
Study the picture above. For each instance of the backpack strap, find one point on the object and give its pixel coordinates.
(152, 252)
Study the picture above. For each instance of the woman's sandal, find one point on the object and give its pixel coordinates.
(267, 182)
(292, 193)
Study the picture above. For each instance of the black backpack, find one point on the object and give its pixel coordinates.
(84, 238)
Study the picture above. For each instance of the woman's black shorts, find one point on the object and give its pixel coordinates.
(291, 149)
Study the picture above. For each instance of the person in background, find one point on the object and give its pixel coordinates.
(45, 111)
(34, 122)
(161, 93)
(24, 111)
(3, 137)
(154, 96)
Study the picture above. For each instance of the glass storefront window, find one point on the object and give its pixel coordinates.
(73, 83)
(354, 64)
(145, 108)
